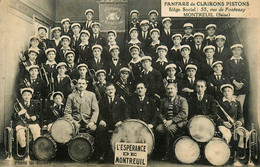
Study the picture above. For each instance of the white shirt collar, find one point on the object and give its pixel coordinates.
(138, 60)
(156, 43)
(167, 78)
(175, 48)
(83, 44)
(148, 70)
(134, 41)
(232, 99)
(200, 95)
(211, 38)
(162, 60)
(187, 36)
(220, 73)
(234, 58)
(50, 63)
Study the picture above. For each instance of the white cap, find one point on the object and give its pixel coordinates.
(64, 20)
(85, 32)
(32, 67)
(69, 52)
(211, 25)
(89, 10)
(97, 46)
(65, 37)
(55, 29)
(176, 35)
(61, 64)
(50, 50)
(134, 46)
(146, 58)
(161, 47)
(209, 47)
(95, 23)
(199, 34)
(188, 25)
(112, 31)
(26, 90)
(124, 69)
(225, 86)
(33, 50)
(42, 27)
(82, 65)
(133, 29)
(185, 46)
(236, 46)
(113, 47)
(100, 71)
(153, 11)
(170, 66)
(134, 11)
(144, 22)
(75, 24)
(215, 63)
(154, 29)
(191, 66)
(55, 94)
(220, 37)
(34, 37)
(166, 19)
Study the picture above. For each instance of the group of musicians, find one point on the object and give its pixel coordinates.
(159, 77)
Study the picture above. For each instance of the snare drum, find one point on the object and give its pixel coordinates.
(186, 150)
(81, 147)
(217, 151)
(44, 148)
(201, 128)
(63, 130)
(133, 131)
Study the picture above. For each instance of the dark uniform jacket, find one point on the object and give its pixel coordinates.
(101, 40)
(52, 44)
(53, 112)
(181, 66)
(145, 110)
(33, 110)
(187, 40)
(174, 55)
(72, 71)
(197, 54)
(176, 110)
(187, 84)
(113, 70)
(83, 53)
(160, 66)
(166, 39)
(114, 112)
(207, 106)
(63, 86)
(206, 69)
(93, 65)
(224, 55)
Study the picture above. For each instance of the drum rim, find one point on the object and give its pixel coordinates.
(48, 136)
(69, 121)
(205, 116)
(142, 122)
(80, 135)
(217, 138)
(186, 137)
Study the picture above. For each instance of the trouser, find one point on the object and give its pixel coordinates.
(20, 132)
(241, 98)
(103, 136)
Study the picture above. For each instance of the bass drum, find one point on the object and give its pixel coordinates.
(217, 151)
(201, 128)
(81, 147)
(133, 131)
(186, 150)
(44, 148)
(63, 130)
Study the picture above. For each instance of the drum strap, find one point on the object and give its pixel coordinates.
(55, 112)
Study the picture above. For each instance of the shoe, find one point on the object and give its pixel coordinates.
(165, 158)
(101, 159)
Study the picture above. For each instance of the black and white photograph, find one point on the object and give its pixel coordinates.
(129, 83)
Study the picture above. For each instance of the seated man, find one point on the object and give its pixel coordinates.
(82, 107)
(143, 107)
(27, 114)
(201, 103)
(172, 117)
(113, 112)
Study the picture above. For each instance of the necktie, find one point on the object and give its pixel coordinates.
(98, 61)
(33, 80)
(26, 104)
(200, 97)
(82, 47)
(186, 61)
(110, 102)
(218, 77)
(192, 81)
(219, 50)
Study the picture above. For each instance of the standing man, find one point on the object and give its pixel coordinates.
(82, 107)
(89, 15)
(134, 14)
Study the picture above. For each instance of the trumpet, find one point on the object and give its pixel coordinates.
(125, 89)
(131, 70)
(73, 84)
(8, 142)
(253, 145)
(26, 155)
(45, 74)
(92, 75)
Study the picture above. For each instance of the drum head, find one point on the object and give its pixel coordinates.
(62, 131)
(44, 148)
(217, 151)
(186, 150)
(133, 131)
(201, 128)
(80, 148)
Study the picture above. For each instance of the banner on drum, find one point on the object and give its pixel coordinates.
(131, 154)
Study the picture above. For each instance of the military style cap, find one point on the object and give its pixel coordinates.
(33, 50)
(69, 52)
(209, 47)
(95, 23)
(211, 25)
(61, 64)
(134, 46)
(226, 86)
(112, 31)
(54, 94)
(166, 19)
(64, 20)
(199, 34)
(55, 29)
(124, 69)
(100, 71)
(65, 37)
(154, 30)
(89, 10)
(185, 46)
(32, 67)
(161, 47)
(144, 22)
(113, 47)
(132, 29)
(82, 65)
(26, 90)
(215, 63)
(192, 66)
(75, 24)
(188, 25)
(50, 50)
(97, 46)
(85, 32)
(134, 11)
(169, 66)
(42, 27)
(146, 58)
(220, 37)
(176, 35)
(236, 46)
(153, 11)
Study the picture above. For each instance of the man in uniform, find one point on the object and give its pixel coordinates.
(89, 15)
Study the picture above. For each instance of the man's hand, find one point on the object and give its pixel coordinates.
(91, 126)
(187, 90)
(23, 111)
(118, 123)
(227, 124)
(150, 126)
(33, 118)
(102, 123)
(168, 123)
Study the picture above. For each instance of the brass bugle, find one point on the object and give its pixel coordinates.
(253, 145)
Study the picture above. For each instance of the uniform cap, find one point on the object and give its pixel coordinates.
(100, 71)
(170, 66)
(61, 64)
(161, 47)
(211, 25)
(236, 46)
(64, 20)
(50, 50)
(26, 90)
(215, 63)
(97, 46)
(191, 66)
(209, 47)
(134, 11)
(226, 86)
(89, 10)
(188, 25)
(199, 34)
(153, 11)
